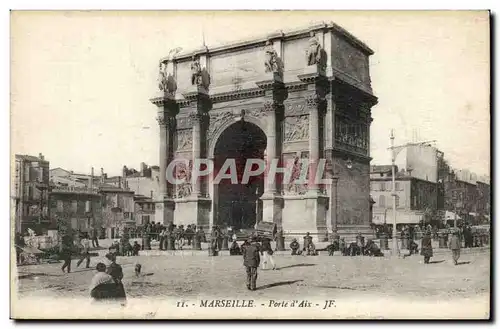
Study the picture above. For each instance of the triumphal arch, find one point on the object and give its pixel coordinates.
(303, 94)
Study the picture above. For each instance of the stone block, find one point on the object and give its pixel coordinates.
(193, 210)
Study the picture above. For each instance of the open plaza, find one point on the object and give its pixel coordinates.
(365, 281)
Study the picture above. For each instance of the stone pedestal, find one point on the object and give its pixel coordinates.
(193, 210)
(164, 212)
(314, 70)
(305, 213)
(272, 208)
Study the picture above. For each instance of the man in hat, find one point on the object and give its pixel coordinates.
(426, 249)
(455, 247)
(251, 261)
(294, 246)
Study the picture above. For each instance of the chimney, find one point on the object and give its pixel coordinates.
(91, 180)
(143, 169)
(119, 182)
(151, 194)
(124, 171)
(40, 155)
(102, 176)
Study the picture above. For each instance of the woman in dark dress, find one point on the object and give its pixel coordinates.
(426, 249)
(102, 287)
(116, 273)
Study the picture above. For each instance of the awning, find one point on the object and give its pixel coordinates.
(402, 217)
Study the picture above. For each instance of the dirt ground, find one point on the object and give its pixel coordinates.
(197, 277)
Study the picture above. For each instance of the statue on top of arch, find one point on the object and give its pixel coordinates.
(166, 81)
(199, 76)
(315, 52)
(273, 63)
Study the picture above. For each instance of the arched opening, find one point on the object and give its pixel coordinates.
(237, 205)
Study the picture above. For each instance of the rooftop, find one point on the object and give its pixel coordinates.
(330, 26)
(29, 158)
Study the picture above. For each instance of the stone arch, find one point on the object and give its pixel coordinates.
(226, 124)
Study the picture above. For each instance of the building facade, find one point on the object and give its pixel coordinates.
(414, 197)
(76, 208)
(144, 210)
(30, 191)
(117, 209)
(287, 96)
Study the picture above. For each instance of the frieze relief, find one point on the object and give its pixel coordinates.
(184, 122)
(296, 128)
(353, 137)
(184, 139)
(217, 120)
(294, 109)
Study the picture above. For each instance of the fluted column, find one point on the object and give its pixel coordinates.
(197, 121)
(270, 108)
(312, 102)
(163, 121)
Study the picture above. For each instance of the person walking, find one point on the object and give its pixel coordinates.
(85, 245)
(251, 261)
(66, 251)
(455, 247)
(267, 253)
(426, 249)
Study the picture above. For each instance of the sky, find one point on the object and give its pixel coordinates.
(81, 81)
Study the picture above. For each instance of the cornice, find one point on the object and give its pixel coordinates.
(284, 35)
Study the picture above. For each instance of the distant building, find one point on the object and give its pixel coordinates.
(30, 194)
(87, 200)
(419, 161)
(117, 209)
(414, 196)
(143, 182)
(144, 210)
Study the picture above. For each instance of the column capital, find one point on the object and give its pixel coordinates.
(270, 106)
(313, 100)
(197, 117)
(165, 118)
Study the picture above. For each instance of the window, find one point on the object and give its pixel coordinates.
(382, 186)
(398, 187)
(382, 201)
(60, 206)
(145, 220)
(74, 206)
(397, 201)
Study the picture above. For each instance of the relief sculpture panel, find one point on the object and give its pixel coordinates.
(183, 172)
(184, 139)
(216, 121)
(296, 128)
(292, 160)
(351, 136)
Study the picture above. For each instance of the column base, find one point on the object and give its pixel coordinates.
(164, 212)
(193, 210)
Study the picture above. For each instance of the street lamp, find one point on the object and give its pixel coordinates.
(349, 164)
(394, 152)
(393, 162)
